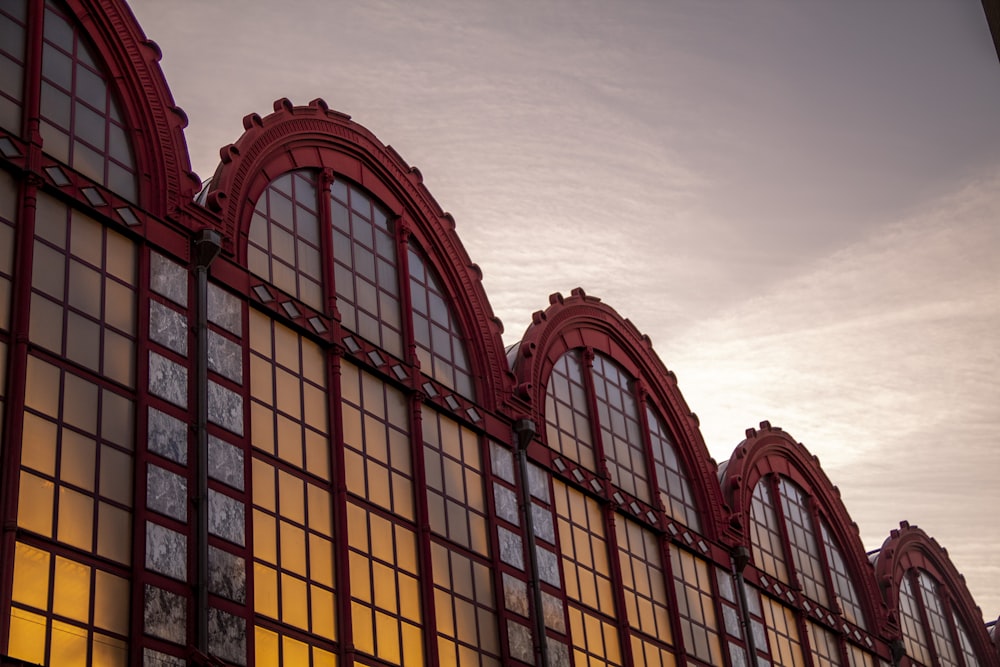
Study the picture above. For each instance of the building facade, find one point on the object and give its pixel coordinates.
(272, 422)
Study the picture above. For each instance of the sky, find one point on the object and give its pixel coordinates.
(797, 201)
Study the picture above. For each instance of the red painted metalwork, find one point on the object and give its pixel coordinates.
(314, 136)
(166, 181)
(908, 548)
(584, 321)
(770, 450)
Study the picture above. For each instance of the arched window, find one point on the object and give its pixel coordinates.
(623, 610)
(81, 124)
(85, 378)
(933, 633)
(284, 243)
(369, 474)
(813, 554)
(809, 596)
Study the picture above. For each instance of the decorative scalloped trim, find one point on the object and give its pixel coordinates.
(315, 136)
(769, 449)
(584, 321)
(910, 547)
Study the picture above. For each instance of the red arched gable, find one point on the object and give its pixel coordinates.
(910, 547)
(314, 136)
(771, 450)
(581, 321)
(166, 181)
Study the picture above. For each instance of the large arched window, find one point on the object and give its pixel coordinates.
(810, 578)
(81, 123)
(288, 231)
(792, 542)
(639, 585)
(371, 529)
(65, 210)
(937, 620)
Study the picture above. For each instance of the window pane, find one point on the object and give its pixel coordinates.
(567, 412)
(80, 109)
(444, 351)
(284, 247)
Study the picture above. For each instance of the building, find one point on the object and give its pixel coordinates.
(273, 422)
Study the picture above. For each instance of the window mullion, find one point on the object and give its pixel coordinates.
(925, 621)
(949, 618)
(423, 529)
(402, 233)
(324, 179)
(774, 483)
(17, 363)
(342, 573)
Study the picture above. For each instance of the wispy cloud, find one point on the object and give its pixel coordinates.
(882, 358)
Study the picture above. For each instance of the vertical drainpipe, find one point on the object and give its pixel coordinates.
(207, 244)
(525, 430)
(741, 557)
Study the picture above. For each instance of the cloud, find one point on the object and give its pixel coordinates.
(882, 358)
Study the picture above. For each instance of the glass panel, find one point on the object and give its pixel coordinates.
(442, 353)
(284, 246)
(825, 651)
(13, 37)
(644, 587)
(783, 634)
(939, 625)
(454, 482)
(765, 534)
(292, 548)
(567, 412)
(79, 110)
(288, 409)
(385, 607)
(465, 606)
(587, 574)
(367, 298)
(675, 490)
(621, 432)
(83, 597)
(62, 415)
(802, 537)
(842, 583)
(376, 437)
(88, 313)
(693, 586)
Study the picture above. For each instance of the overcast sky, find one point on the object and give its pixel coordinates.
(797, 201)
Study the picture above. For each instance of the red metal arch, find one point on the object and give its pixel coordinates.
(166, 181)
(771, 450)
(314, 136)
(910, 547)
(584, 321)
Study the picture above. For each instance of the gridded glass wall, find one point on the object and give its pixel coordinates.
(284, 244)
(365, 268)
(81, 122)
(624, 610)
(933, 633)
(792, 542)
